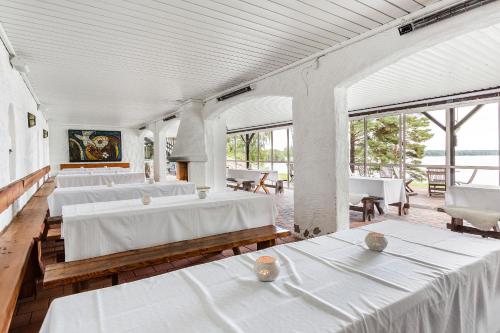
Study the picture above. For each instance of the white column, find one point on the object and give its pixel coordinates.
(160, 155)
(215, 139)
(321, 161)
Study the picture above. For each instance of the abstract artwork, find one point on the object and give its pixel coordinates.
(45, 134)
(94, 146)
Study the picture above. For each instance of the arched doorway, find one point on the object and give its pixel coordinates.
(12, 143)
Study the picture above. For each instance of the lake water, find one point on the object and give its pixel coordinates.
(486, 177)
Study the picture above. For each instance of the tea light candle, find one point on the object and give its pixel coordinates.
(376, 241)
(146, 199)
(267, 268)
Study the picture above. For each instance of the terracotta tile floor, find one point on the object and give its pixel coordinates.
(31, 311)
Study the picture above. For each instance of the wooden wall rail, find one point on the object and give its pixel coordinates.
(94, 165)
(10, 193)
(17, 259)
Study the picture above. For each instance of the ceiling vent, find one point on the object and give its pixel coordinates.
(234, 93)
(170, 117)
(442, 15)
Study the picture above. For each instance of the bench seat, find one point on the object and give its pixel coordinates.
(79, 272)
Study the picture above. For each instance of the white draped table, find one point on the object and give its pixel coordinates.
(96, 229)
(255, 175)
(87, 194)
(73, 180)
(72, 171)
(391, 190)
(427, 280)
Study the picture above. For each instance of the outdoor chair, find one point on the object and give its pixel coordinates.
(436, 179)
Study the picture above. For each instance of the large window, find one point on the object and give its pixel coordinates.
(463, 141)
(264, 150)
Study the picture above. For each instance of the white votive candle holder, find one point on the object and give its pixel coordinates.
(146, 199)
(376, 241)
(202, 191)
(267, 268)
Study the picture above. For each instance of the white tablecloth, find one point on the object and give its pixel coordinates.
(72, 171)
(99, 179)
(482, 197)
(255, 175)
(391, 190)
(96, 229)
(87, 194)
(427, 280)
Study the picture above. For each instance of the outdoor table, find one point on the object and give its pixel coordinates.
(96, 229)
(73, 180)
(426, 280)
(259, 177)
(101, 193)
(391, 191)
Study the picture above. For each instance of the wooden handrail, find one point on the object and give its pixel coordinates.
(13, 191)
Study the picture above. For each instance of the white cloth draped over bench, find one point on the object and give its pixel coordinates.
(477, 204)
(73, 180)
(87, 194)
(96, 229)
(427, 280)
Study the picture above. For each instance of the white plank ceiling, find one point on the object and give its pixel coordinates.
(121, 62)
(466, 63)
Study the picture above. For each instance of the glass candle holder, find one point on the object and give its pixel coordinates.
(267, 268)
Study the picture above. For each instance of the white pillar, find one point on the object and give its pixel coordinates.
(321, 161)
(215, 139)
(160, 155)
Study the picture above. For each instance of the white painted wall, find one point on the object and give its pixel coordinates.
(30, 150)
(132, 144)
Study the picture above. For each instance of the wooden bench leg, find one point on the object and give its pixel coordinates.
(265, 244)
(379, 208)
(236, 251)
(114, 279)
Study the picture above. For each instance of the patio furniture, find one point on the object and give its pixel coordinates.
(436, 179)
(476, 204)
(368, 207)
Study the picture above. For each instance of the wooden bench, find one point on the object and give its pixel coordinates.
(79, 272)
(368, 208)
(17, 258)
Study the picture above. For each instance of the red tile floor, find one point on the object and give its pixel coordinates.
(30, 312)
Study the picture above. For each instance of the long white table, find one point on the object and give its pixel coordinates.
(73, 171)
(87, 194)
(391, 190)
(255, 175)
(427, 280)
(75, 180)
(96, 229)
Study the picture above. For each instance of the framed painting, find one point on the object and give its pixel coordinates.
(45, 134)
(94, 146)
(31, 120)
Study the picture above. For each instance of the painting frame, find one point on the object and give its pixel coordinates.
(45, 134)
(94, 145)
(31, 120)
